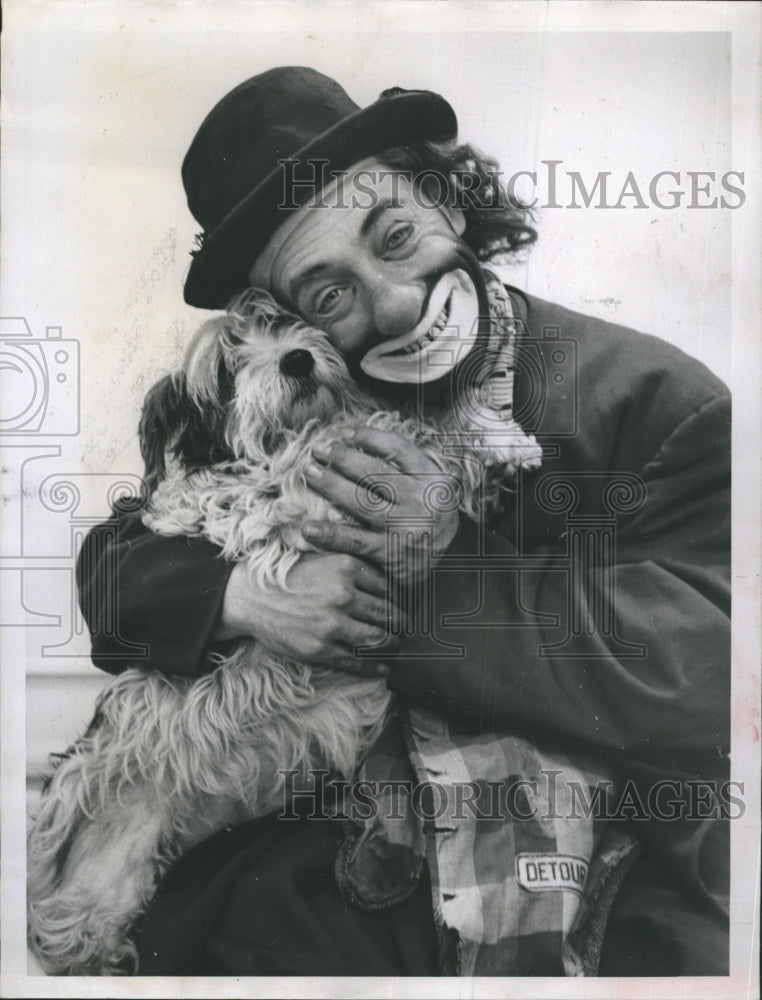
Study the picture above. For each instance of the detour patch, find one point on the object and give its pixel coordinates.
(544, 872)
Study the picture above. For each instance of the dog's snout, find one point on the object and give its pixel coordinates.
(297, 363)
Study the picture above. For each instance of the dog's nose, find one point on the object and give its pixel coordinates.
(297, 363)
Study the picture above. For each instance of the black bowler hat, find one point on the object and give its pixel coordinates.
(235, 185)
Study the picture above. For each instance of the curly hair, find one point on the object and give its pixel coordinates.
(497, 223)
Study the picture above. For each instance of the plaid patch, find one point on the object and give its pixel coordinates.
(496, 814)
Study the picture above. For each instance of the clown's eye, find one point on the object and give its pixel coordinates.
(398, 236)
(326, 302)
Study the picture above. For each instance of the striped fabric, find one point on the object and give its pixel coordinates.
(494, 396)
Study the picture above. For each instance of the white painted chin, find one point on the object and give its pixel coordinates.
(443, 338)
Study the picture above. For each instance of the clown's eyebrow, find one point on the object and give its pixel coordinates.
(375, 213)
(300, 283)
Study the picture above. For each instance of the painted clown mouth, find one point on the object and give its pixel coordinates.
(442, 338)
(430, 335)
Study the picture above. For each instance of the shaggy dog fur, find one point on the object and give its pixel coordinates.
(169, 760)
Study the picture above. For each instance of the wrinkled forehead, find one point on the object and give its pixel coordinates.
(337, 212)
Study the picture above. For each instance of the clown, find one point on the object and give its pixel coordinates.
(377, 227)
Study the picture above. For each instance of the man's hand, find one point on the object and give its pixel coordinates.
(335, 603)
(379, 478)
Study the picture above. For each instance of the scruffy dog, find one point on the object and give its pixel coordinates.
(167, 761)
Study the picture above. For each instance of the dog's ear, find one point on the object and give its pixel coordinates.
(174, 421)
(202, 440)
(210, 386)
(205, 362)
(186, 413)
(162, 422)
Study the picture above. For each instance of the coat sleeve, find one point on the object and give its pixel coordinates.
(671, 601)
(148, 599)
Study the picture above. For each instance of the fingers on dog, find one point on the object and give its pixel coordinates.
(371, 580)
(400, 453)
(342, 538)
(374, 611)
(351, 462)
(358, 589)
(358, 636)
(356, 499)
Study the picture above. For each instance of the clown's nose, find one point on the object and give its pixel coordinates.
(297, 363)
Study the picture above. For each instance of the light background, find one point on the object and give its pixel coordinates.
(107, 118)
(98, 112)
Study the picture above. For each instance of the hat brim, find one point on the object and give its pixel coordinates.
(220, 268)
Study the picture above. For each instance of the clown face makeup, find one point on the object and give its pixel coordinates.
(382, 272)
